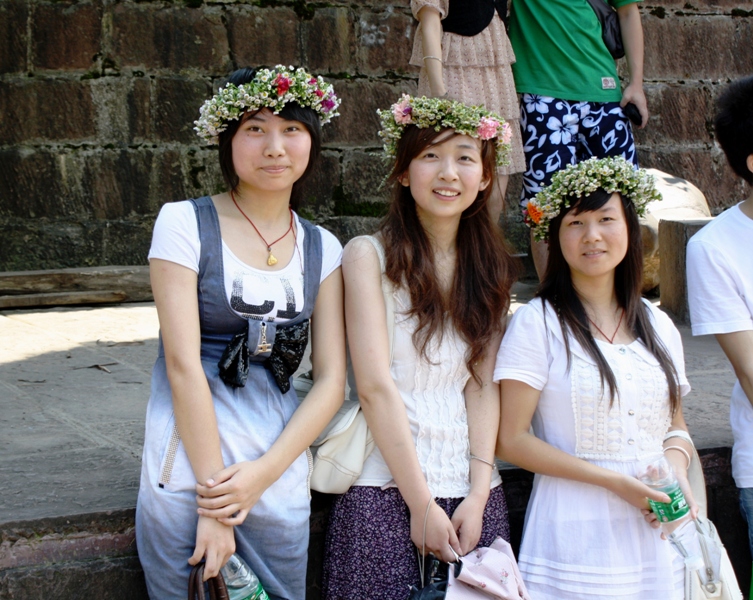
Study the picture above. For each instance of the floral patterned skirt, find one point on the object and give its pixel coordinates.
(369, 554)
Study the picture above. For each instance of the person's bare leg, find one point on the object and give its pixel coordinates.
(497, 198)
(540, 255)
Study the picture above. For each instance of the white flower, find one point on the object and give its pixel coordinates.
(562, 131)
(538, 103)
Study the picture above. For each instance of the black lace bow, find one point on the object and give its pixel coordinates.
(287, 352)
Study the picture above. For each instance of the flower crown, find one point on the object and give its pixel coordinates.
(270, 88)
(614, 174)
(424, 112)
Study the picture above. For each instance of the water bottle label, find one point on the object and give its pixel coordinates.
(676, 508)
(258, 594)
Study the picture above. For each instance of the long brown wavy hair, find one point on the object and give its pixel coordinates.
(557, 289)
(479, 296)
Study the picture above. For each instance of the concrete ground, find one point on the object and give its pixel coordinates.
(74, 383)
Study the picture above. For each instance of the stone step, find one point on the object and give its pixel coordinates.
(94, 555)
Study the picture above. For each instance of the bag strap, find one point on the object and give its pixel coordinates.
(388, 291)
(217, 587)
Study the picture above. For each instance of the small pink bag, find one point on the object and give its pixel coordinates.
(491, 571)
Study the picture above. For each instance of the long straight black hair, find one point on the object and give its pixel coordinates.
(557, 289)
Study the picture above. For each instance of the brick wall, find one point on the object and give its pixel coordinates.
(97, 100)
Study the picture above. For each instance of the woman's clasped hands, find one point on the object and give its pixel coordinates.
(232, 492)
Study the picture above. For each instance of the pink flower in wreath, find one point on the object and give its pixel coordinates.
(402, 111)
(328, 104)
(506, 133)
(487, 128)
(283, 84)
(319, 92)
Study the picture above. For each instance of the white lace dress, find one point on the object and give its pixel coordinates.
(434, 401)
(579, 540)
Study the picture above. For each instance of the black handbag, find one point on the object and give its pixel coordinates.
(217, 587)
(610, 27)
(434, 579)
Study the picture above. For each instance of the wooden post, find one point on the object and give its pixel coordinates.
(673, 285)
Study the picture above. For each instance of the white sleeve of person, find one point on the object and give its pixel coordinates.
(719, 296)
(176, 235)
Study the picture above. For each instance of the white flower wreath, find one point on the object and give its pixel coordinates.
(613, 174)
(270, 88)
(437, 113)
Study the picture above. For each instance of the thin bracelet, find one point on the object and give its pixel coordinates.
(679, 433)
(483, 460)
(681, 449)
(432, 58)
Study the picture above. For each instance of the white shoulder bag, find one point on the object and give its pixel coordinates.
(721, 580)
(341, 449)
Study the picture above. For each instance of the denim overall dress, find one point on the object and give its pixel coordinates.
(274, 537)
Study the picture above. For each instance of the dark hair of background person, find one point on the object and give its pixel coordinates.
(292, 112)
(557, 289)
(733, 125)
(479, 296)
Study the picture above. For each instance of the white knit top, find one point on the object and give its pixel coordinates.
(435, 403)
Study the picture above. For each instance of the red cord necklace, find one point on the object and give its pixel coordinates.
(614, 335)
(271, 260)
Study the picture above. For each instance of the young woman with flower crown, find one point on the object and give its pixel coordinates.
(464, 54)
(432, 408)
(237, 277)
(598, 373)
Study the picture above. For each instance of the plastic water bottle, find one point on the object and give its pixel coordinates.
(242, 583)
(674, 515)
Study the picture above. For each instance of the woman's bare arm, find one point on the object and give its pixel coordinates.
(482, 406)
(431, 27)
(176, 298)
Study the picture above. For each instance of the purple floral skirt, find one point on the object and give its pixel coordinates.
(369, 554)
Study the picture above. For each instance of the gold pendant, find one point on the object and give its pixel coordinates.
(263, 345)
(271, 260)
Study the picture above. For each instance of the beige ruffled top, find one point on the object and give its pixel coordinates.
(489, 48)
(476, 70)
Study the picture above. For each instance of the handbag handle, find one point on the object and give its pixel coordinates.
(217, 587)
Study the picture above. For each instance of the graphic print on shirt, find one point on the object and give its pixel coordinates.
(290, 312)
(249, 311)
(276, 287)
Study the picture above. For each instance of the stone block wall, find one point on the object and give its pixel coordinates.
(98, 98)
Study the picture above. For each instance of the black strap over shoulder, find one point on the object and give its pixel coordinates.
(471, 17)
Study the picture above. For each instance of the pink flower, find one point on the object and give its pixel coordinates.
(506, 133)
(328, 104)
(487, 128)
(319, 92)
(402, 111)
(312, 81)
(283, 84)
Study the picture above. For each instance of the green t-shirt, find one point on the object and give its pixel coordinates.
(560, 53)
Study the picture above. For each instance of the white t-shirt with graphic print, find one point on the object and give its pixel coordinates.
(252, 293)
